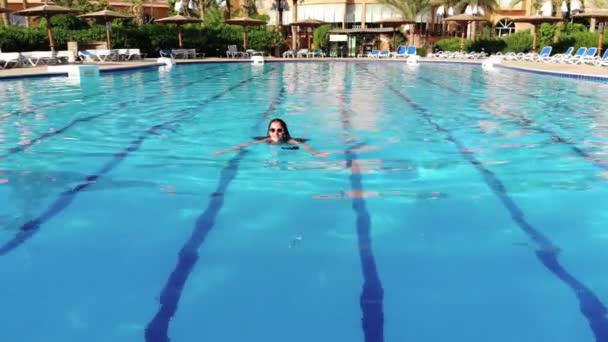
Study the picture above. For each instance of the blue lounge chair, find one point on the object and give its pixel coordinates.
(401, 51)
(579, 53)
(558, 57)
(373, 54)
(603, 61)
(411, 51)
(384, 53)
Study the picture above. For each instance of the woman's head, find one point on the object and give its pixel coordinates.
(277, 131)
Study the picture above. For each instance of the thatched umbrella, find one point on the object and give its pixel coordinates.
(245, 22)
(46, 11)
(536, 20)
(179, 20)
(600, 16)
(394, 23)
(306, 23)
(464, 20)
(107, 16)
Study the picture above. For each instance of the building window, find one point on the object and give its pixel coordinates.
(505, 27)
(17, 20)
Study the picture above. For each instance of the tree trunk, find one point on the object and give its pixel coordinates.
(228, 9)
(201, 9)
(280, 17)
(294, 29)
(4, 3)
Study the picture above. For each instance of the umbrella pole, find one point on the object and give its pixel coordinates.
(49, 29)
(462, 39)
(534, 37)
(308, 38)
(179, 35)
(600, 44)
(245, 38)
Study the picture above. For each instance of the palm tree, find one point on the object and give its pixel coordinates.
(137, 9)
(488, 6)
(4, 3)
(228, 9)
(409, 9)
(250, 7)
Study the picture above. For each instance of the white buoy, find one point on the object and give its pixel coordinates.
(166, 61)
(489, 63)
(257, 59)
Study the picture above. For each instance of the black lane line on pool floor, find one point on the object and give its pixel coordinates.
(589, 303)
(158, 328)
(526, 123)
(27, 230)
(33, 110)
(372, 294)
(55, 132)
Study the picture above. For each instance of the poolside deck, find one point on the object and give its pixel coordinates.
(595, 72)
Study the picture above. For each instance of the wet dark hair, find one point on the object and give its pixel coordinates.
(286, 135)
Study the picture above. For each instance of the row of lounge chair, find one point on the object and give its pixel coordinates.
(303, 53)
(181, 53)
(582, 56)
(402, 51)
(35, 58)
(233, 52)
(459, 54)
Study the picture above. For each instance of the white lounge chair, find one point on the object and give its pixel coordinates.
(10, 59)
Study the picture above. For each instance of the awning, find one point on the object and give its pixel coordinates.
(329, 13)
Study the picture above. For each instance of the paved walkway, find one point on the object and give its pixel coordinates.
(567, 69)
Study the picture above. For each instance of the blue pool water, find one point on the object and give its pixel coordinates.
(456, 204)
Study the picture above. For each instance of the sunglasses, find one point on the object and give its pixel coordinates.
(279, 130)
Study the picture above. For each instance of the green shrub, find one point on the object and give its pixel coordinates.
(546, 32)
(450, 44)
(422, 51)
(518, 42)
(489, 46)
(320, 36)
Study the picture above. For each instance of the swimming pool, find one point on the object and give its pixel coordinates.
(455, 204)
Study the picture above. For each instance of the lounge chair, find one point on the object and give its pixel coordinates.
(384, 53)
(543, 55)
(579, 53)
(559, 57)
(589, 56)
(289, 53)
(373, 54)
(411, 51)
(316, 53)
(401, 52)
(302, 53)
(233, 52)
(603, 61)
(10, 59)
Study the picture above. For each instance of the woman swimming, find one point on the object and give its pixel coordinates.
(277, 134)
